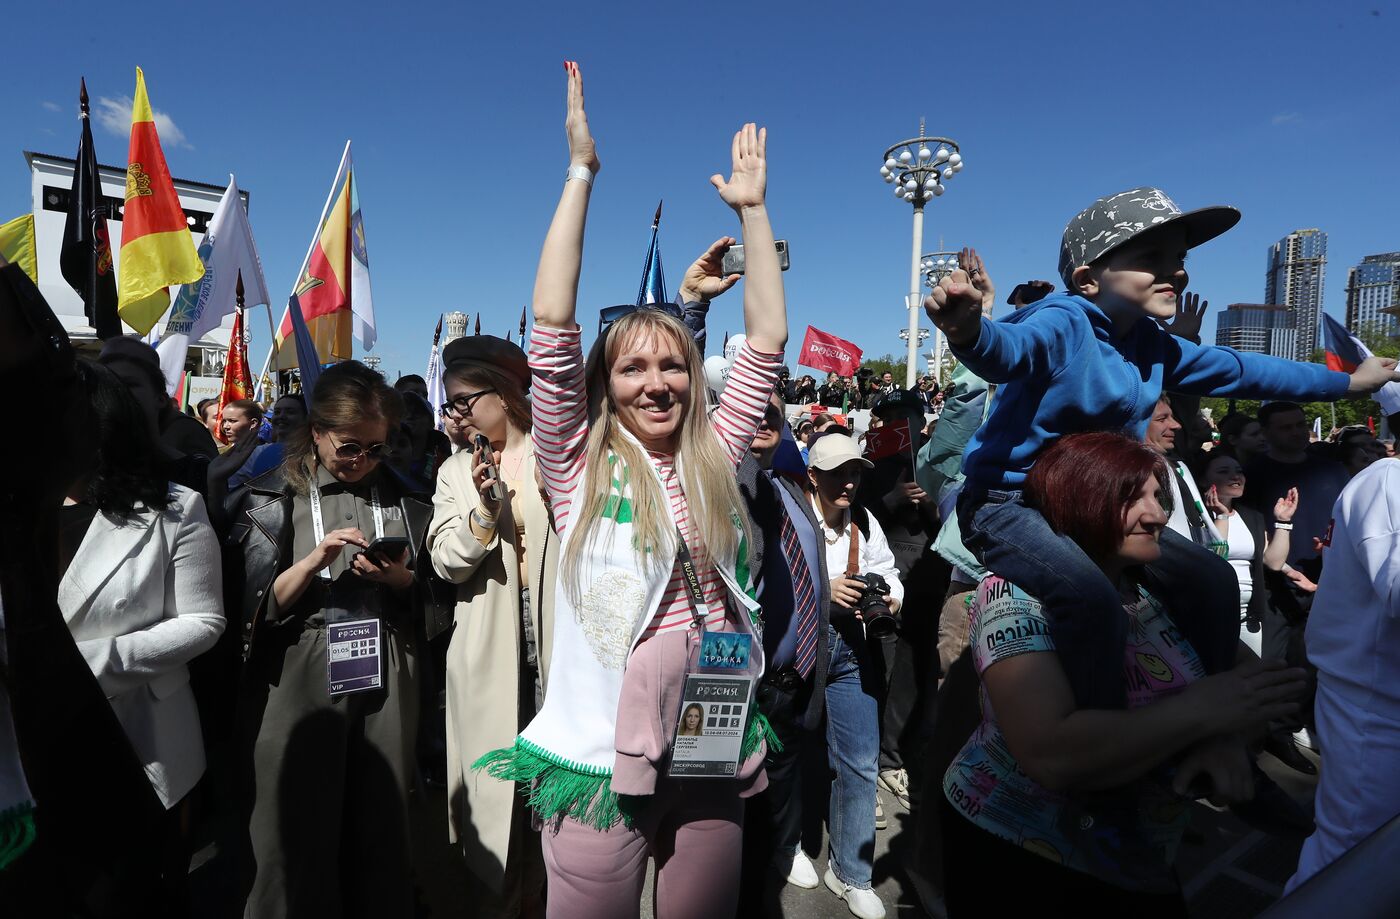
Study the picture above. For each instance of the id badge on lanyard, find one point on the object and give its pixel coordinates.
(354, 662)
(719, 678)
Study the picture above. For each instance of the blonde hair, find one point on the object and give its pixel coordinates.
(346, 394)
(707, 473)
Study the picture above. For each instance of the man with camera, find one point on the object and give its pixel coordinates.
(786, 554)
(866, 594)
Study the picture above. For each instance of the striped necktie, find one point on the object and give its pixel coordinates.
(804, 594)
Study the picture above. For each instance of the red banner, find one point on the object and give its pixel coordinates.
(824, 351)
(890, 439)
(237, 382)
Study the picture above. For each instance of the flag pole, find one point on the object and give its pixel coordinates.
(315, 238)
(522, 326)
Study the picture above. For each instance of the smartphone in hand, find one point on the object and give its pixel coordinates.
(485, 455)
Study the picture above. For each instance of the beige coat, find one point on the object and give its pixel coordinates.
(483, 658)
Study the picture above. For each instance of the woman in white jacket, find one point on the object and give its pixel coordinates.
(855, 545)
(141, 591)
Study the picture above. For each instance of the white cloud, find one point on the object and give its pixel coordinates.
(115, 116)
(51, 106)
(1286, 118)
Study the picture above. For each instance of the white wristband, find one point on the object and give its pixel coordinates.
(580, 172)
(1283, 526)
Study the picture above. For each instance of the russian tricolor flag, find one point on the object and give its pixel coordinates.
(1345, 352)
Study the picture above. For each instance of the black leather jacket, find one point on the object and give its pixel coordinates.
(259, 547)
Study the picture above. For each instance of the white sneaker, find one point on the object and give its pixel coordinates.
(880, 821)
(1304, 739)
(861, 901)
(896, 782)
(797, 870)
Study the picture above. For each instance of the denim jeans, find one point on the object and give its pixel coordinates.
(853, 750)
(1198, 588)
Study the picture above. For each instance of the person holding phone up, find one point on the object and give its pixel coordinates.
(493, 538)
(332, 756)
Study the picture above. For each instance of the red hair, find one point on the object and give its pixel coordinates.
(1084, 484)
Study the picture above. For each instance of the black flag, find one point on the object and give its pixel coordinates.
(86, 257)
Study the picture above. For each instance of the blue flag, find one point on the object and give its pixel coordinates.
(308, 360)
(653, 289)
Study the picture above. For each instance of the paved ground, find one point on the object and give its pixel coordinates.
(1231, 870)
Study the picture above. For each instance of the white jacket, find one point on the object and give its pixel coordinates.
(143, 597)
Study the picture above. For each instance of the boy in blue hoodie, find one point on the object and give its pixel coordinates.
(1097, 359)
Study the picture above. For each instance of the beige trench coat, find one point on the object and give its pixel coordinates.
(484, 655)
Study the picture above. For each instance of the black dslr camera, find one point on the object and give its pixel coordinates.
(879, 618)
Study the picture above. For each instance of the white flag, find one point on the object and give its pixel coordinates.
(226, 250)
(361, 304)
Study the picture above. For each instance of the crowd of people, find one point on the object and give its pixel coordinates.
(616, 616)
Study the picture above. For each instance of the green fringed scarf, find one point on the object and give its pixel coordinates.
(556, 787)
(16, 832)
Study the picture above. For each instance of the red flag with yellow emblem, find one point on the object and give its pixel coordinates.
(157, 247)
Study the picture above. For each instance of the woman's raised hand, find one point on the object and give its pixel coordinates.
(582, 150)
(1286, 507)
(748, 180)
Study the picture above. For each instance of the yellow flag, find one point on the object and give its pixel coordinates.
(157, 248)
(17, 245)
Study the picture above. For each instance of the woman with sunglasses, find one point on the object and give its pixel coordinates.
(641, 478)
(331, 761)
(502, 553)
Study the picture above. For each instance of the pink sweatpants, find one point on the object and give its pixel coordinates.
(694, 828)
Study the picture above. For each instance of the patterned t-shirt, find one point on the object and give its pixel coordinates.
(1124, 836)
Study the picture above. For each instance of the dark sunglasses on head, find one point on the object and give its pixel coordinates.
(462, 405)
(610, 314)
(353, 451)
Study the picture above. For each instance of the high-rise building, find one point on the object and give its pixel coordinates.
(1258, 328)
(1297, 268)
(1373, 285)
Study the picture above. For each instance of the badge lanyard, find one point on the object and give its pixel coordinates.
(718, 689)
(354, 660)
(318, 526)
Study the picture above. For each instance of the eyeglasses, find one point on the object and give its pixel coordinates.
(462, 405)
(350, 450)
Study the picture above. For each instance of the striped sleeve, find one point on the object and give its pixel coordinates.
(559, 410)
(745, 399)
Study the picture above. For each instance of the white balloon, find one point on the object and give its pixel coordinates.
(731, 347)
(717, 372)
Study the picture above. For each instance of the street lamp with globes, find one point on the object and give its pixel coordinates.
(918, 169)
(936, 266)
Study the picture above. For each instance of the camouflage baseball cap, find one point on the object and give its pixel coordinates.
(1110, 222)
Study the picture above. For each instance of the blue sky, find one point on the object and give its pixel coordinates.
(1287, 110)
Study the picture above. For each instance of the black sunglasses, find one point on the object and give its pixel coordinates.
(462, 405)
(353, 451)
(610, 314)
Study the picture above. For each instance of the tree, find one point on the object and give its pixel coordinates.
(886, 363)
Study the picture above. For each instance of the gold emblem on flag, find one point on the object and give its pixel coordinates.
(138, 183)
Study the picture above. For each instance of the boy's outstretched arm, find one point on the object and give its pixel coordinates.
(999, 352)
(1216, 371)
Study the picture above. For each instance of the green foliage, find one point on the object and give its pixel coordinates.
(886, 363)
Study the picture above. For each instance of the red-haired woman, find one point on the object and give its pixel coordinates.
(1085, 807)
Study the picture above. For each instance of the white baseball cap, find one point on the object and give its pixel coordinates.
(832, 451)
